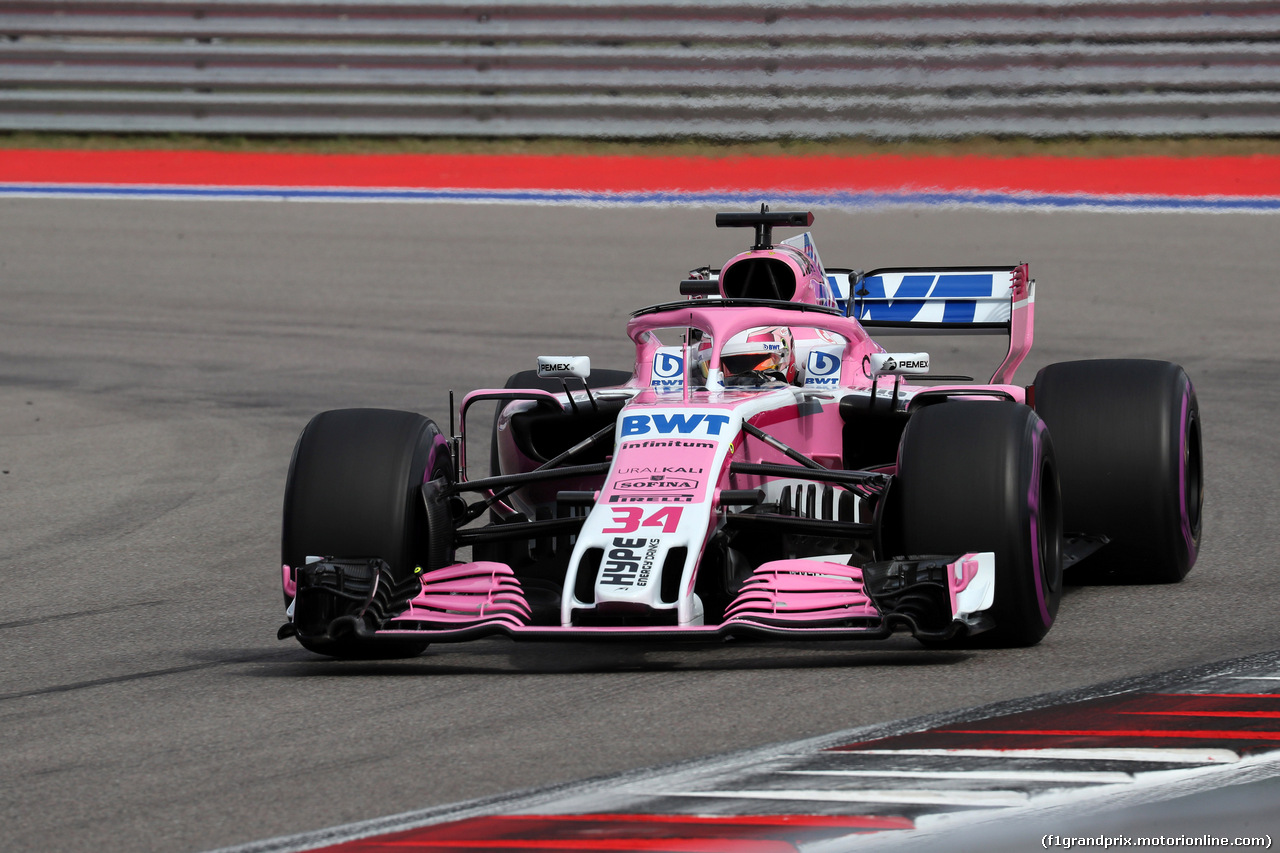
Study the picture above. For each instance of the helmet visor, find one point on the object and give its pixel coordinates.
(734, 365)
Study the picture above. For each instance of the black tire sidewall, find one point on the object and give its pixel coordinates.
(981, 476)
(353, 484)
(1127, 433)
(353, 491)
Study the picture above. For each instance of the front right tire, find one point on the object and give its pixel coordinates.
(353, 491)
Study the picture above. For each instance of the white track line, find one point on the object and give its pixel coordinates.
(1169, 756)
(1096, 776)
(900, 796)
(933, 830)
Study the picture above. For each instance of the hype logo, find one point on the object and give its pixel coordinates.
(822, 369)
(668, 370)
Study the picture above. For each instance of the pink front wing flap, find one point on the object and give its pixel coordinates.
(802, 591)
(468, 594)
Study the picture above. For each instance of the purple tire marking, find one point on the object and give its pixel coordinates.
(1033, 506)
(1183, 447)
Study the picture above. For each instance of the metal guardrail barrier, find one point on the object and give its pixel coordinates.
(642, 68)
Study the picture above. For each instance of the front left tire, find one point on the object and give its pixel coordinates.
(982, 476)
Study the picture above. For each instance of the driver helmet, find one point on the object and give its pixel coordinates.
(757, 356)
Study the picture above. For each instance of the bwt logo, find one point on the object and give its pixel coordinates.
(822, 363)
(668, 370)
(668, 424)
(823, 368)
(667, 365)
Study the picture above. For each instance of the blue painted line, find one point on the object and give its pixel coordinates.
(1032, 201)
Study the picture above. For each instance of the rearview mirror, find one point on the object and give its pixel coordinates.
(898, 363)
(564, 366)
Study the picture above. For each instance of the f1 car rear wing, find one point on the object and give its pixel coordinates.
(943, 300)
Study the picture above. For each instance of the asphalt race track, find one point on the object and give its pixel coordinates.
(157, 360)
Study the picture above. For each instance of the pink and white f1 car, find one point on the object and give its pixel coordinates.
(766, 469)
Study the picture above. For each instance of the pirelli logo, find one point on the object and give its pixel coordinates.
(652, 498)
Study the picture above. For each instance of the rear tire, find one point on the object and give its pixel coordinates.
(982, 476)
(353, 490)
(529, 379)
(1127, 434)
